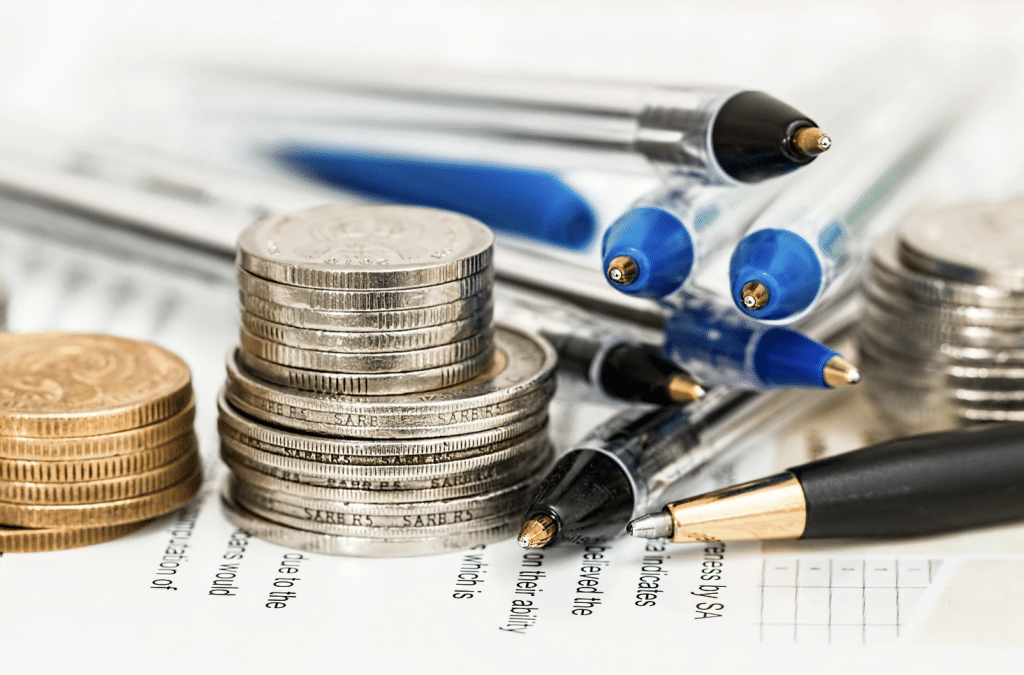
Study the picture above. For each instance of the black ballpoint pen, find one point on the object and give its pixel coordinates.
(910, 486)
(621, 468)
(715, 135)
(624, 466)
(625, 369)
(613, 363)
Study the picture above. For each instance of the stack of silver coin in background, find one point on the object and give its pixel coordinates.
(372, 408)
(942, 342)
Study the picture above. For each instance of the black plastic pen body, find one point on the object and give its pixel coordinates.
(619, 468)
(624, 369)
(911, 486)
(918, 485)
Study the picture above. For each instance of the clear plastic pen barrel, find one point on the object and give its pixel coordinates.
(540, 122)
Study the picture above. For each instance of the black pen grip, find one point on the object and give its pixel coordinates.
(918, 485)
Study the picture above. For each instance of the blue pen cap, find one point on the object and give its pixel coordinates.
(658, 242)
(786, 358)
(524, 202)
(787, 266)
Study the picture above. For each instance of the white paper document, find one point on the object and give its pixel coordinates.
(190, 593)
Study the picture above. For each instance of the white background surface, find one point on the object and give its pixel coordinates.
(89, 610)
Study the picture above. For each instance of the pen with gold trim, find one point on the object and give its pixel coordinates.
(910, 486)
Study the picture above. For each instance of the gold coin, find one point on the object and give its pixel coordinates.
(75, 384)
(21, 540)
(109, 490)
(104, 513)
(106, 445)
(41, 471)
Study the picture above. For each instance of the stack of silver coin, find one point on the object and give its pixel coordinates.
(372, 408)
(942, 342)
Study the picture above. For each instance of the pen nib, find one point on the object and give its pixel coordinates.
(538, 531)
(623, 270)
(839, 372)
(811, 141)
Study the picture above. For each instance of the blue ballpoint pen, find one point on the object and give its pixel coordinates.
(518, 201)
(722, 347)
(654, 248)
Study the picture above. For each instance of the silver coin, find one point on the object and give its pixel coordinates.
(975, 243)
(366, 247)
(971, 315)
(381, 362)
(399, 425)
(375, 384)
(364, 301)
(240, 428)
(928, 332)
(368, 341)
(414, 519)
(927, 288)
(368, 491)
(888, 340)
(945, 377)
(1012, 399)
(881, 368)
(984, 415)
(329, 527)
(401, 477)
(377, 547)
(381, 321)
(518, 384)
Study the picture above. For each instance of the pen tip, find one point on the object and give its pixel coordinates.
(811, 141)
(537, 532)
(839, 372)
(682, 389)
(754, 295)
(651, 526)
(622, 270)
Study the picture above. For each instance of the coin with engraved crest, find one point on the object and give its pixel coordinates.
(365, 247)
(73, 384)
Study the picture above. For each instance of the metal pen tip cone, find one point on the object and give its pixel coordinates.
(651, 526)
(537, 532)
(754, 295)
(623, 270)
(811, 141)
(839, 372)
(682, 389)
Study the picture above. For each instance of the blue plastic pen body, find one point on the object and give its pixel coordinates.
(722, 347)
(670, 233)
(523, 202)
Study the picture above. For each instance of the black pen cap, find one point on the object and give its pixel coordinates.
(752, 137)
(589, 495)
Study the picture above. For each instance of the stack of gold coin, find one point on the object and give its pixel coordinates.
(96, 438)
(942, 342)
(372, 408)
